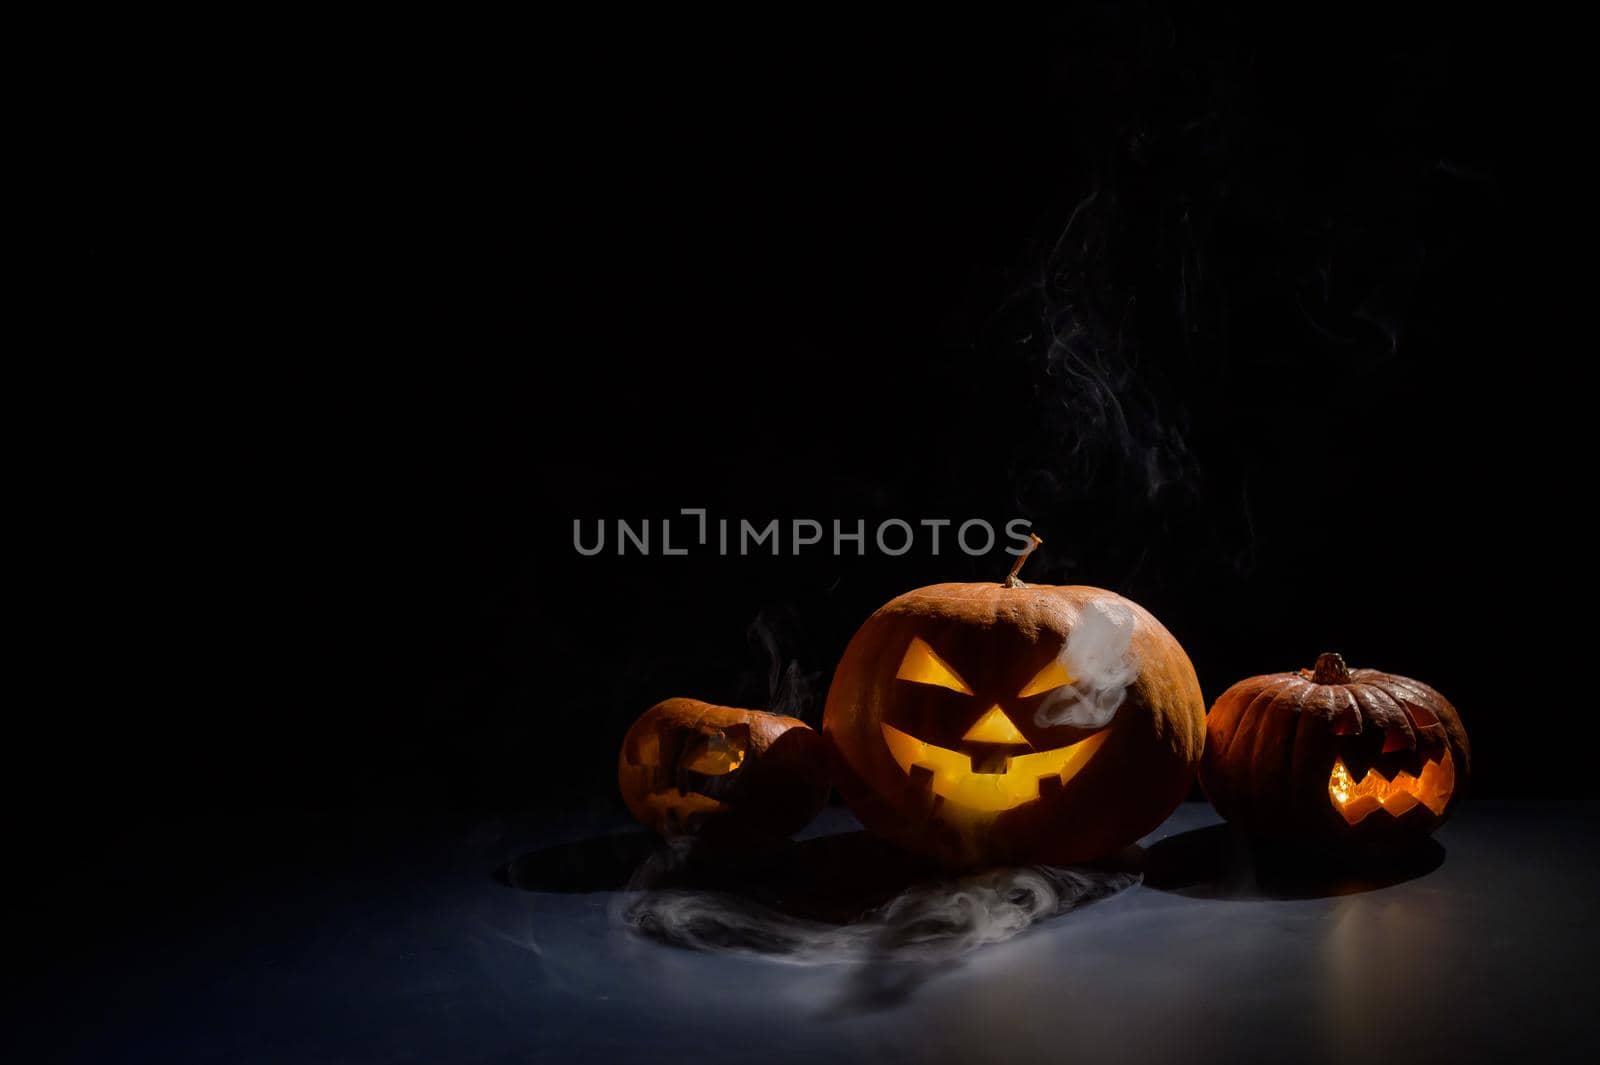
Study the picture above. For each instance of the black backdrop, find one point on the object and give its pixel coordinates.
(1248, 319)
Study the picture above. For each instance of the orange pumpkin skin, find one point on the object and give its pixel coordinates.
(722, 774)
(1334, 754)
(997, 637)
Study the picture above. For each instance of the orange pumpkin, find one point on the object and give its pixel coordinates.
(1003, 723)
(689, 768)
(1335, 753)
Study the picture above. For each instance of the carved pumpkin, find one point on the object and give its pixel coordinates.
(1335, 753)
(689, 768)
(1003, 723)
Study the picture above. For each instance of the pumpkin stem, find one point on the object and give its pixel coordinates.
(1011, 580)
(1330, 669)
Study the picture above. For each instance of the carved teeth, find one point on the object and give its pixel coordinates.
(920, 786)
(1399, 802)
(1356, 800)
(991, 762)
(1050, 785)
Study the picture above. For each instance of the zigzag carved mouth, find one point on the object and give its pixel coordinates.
(1356, 801)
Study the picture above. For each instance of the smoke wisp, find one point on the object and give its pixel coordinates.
(932, 922)
(790, 689)
(1097, 658)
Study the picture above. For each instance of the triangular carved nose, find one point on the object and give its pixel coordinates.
(995, 727)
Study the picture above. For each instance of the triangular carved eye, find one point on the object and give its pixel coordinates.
(1053, 676)
(1397, 740)
(1420, 715)
(922, 666)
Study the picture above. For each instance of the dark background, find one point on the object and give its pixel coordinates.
(1251, 319)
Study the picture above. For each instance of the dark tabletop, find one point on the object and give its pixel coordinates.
(412, 939)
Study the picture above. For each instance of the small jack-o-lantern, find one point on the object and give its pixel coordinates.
(1336, 753)
(689, 768)
(990, 723)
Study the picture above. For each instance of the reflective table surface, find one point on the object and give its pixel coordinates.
(407, 939)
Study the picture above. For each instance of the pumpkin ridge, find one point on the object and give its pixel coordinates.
(1268, 689)
(1391, 717)
(1267, 738)
(1290, 747)
(1266, 693)
(1437, 736)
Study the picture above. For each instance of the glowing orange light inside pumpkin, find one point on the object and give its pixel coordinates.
(922, 665)
(955, 781)
(1355, 801)
(995, 727)
(1051, 677)
(681, 807)
(714, 756)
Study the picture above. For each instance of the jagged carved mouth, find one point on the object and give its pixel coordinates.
(692, 772)
(1025, 778)
(1356, 801)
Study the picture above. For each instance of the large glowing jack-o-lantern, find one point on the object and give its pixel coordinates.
(1335, 752)
(997, 767)
(987, 723)
(689, 768)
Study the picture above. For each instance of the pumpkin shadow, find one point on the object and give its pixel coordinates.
(833, 879)
(1221, 862)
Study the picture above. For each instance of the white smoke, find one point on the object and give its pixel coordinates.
(1097, 658)
(929, 923)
